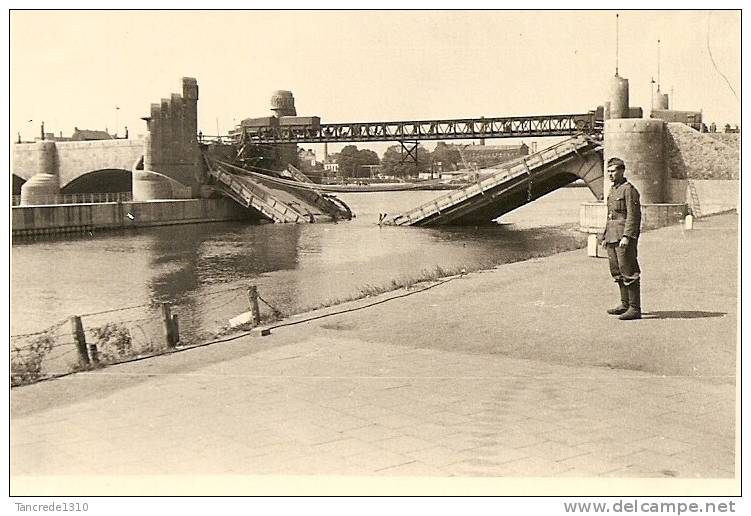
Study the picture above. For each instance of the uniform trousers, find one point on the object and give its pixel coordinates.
(624, 265)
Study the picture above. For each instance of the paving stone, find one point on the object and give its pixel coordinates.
(341, 423)
(412, 469)
(711, 457)
(319, 465)
(138, 467)
(633, 471)
(403, 444)
(495, 453)
(702, 470)
(459, 441)
(437, 456)
(664, 445)
(594, 463)
(519, 439)
(313, 434)
(372, 433)
(428, 431)
(342, 403)
(260, 438)
(658, 463)
(378, 460)
(539, 426)
(551, 450)
(608, 447)
(368, 411)
(480, 468)
(396, 421)
(536, 467)
(346, 447)
(571, 437)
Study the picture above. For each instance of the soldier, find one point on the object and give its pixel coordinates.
(621, 237)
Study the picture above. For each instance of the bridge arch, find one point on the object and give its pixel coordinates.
(109, 180)
(16, 184)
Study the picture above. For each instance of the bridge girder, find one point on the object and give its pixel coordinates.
(455, 129)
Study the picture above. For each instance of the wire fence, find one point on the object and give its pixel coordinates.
(90, 340)
(117, 335)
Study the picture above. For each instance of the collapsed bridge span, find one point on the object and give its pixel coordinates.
(513, 184)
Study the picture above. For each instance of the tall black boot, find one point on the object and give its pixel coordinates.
(623, 307)
(634, 302)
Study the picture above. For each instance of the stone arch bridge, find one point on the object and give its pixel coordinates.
(83, 166)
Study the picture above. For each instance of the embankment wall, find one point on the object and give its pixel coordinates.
(713, 196)
(690, 154)
(67, 218)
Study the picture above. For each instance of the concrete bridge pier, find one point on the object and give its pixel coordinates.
(171, 166)
(45, 184)
(640, 143)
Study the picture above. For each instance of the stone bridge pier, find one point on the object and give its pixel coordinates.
(165, 164)
(172, 167)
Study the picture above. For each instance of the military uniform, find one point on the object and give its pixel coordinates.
(624, 219)
(621, 237)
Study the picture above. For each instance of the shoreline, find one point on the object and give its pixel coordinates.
(364, 293)
(520, 361)
(574, 239)
(329, 306)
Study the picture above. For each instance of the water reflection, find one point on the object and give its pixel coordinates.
(294, 266)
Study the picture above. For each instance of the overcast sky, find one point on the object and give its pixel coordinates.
(73, 68)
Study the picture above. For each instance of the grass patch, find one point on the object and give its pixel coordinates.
(26, 363)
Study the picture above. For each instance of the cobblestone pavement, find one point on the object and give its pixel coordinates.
(354, 395)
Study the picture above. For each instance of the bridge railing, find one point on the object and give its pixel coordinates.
(469, 128)
(525, 165)
(80, 198)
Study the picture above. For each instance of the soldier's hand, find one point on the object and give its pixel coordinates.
(623, 242)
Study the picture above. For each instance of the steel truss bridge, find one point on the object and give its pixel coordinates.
(414, 130)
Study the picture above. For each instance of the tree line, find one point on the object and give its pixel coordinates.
(396, 162)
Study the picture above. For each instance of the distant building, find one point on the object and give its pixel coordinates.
(690, 118)
(84, 135)
(490, 155)
(331, 167)
(308, 156)
(453, 174)
(371, 170)
(443, 174)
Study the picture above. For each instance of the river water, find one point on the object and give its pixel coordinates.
(294, 266)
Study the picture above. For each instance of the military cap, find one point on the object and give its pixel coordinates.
(616, 163)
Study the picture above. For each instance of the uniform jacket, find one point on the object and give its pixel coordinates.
(624, 213)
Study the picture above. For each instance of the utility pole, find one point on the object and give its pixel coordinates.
(617, 24)
(652, 95)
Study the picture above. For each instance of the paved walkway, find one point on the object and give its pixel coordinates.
(514, 372)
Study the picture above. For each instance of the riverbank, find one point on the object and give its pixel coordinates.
(514, 372)
(293, 266)
(122, 334)
(60, 219)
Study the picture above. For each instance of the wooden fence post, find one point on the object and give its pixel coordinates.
(175, 329)
(253, 298)
(93, 353)
(169, 336)
(79, 337)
